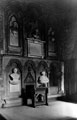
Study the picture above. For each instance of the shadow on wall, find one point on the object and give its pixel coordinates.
(69, 98)
(66, 119)
(2, 118)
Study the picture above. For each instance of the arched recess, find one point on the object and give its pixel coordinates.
(55, 76)
(13, 31)
(29, 72)
(12, 91)
(14, 35)
(14, 61)
(13, 10)
(42, 66)
(55, 73)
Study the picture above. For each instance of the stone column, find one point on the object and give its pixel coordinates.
(62, 77)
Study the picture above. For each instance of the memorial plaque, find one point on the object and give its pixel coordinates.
(35, 48)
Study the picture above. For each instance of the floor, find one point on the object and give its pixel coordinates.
(56, 110)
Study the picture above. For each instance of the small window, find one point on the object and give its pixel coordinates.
(14, 36)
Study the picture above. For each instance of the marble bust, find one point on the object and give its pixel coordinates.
(15, 81)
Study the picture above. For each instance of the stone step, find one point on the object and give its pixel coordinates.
(12, 102)
(54, 97)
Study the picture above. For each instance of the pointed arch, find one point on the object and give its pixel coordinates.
(42, 66)
(29, 72)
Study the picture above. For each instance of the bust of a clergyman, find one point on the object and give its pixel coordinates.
(44, 79)
(14, 77)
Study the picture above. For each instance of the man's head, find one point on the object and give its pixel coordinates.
(15, 70)
(43, 73)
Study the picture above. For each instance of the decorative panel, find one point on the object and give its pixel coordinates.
(29, 78)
